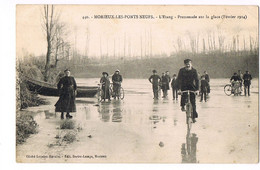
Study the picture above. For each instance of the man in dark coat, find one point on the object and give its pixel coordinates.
(155, 80)
(67, 88)
(204, 86)
(164, 85)
(247, 82)
(117, 80)
(235, 80)
(168, 81)
(207, 78)
(188, 80)
(174, 86)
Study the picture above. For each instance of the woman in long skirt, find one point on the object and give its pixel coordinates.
(67, 88)
(105, 86)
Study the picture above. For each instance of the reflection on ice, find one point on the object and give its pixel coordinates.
(138, 124)
(189, 149)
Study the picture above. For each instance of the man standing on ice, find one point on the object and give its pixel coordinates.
(188, 80)
(155, 80)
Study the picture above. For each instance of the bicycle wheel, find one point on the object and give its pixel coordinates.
(189, 115)
(122, 93)
(228, 89)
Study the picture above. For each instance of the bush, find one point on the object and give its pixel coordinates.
(25, 126)
(69, 137)
(28, 98)
(67, 124)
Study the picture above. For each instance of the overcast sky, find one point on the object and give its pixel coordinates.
(111, 35)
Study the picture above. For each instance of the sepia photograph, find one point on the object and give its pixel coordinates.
(157, 84)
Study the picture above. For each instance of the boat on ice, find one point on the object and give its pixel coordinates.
(48, 89)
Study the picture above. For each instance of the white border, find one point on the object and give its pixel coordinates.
(7, 87)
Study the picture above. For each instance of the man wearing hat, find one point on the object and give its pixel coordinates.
(174, 86)
(117, 80)
(155, 80)
(105, 86)
(67, 89)
(188, 80)
(247, 82)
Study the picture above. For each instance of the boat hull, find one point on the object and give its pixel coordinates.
(47, 89)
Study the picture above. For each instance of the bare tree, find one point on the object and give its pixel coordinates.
(59, 40)
(49, 29)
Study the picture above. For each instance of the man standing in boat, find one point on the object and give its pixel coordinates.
(67, 89)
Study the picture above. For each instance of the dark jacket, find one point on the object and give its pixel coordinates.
(165, 82)
(235, 78)
(174, 83)
(155, 79)
(247, 79)
(204, 85)
(188, 79)
(66, 103)
(207, 78)
(117, 78)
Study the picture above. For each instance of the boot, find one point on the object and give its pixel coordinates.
(68, 116)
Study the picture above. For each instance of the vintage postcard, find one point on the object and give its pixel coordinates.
(137, 84)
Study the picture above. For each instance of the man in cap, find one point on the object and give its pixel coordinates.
(207, 78)
(188, 80)
(155, 80)
(117, 80)
(165, 83)
(247, 82)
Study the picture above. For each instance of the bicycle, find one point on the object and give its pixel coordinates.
(236, 89)
(99, 92)
(121, 92)
(189, 110)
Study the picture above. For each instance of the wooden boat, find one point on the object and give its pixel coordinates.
(47, 89)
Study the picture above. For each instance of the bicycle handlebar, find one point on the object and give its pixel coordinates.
(188, 91)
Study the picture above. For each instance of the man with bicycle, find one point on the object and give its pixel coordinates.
(117, 80)
(234, 80)
(188, 80)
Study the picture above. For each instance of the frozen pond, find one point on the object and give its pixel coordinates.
(139, 129)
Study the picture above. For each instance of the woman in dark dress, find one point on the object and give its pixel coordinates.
(105, 86)
(67, 88)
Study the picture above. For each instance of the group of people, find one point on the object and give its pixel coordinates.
(105, 82)
(241, 79)
(187, 79)
(67, 88)
(164, 82)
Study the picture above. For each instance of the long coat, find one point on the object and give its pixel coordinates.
(105, 87)
(67, 87)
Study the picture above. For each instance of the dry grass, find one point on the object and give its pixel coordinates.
(68, 124)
